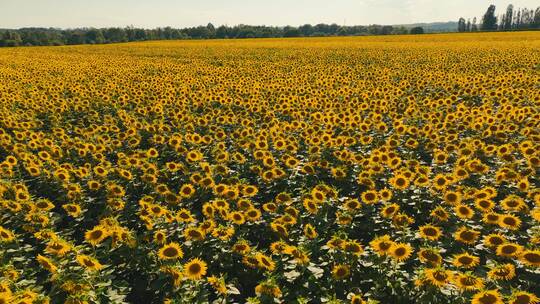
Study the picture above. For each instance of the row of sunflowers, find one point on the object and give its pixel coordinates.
(323, 170)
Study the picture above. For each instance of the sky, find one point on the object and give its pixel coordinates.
(185, 13)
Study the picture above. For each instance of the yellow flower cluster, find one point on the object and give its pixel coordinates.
(360, 169)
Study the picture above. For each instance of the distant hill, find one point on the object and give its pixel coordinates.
(450, 26)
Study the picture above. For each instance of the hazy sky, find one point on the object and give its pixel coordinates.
(182, 13)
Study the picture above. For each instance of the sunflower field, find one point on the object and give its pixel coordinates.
(390, 169)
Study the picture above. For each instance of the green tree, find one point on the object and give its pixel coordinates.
(474, 26)
(489, 21)
(461, 25)
(10, 38)
(417, 30)
(508, 18)
(94, 36)
(115, 34)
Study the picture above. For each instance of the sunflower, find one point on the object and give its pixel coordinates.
(357, 299)
(430, 232)
(46, 263)
(241, 247)
(351, 204)
(252, 214)
(237, 217)
(463, 211)
(466, 235)
(160, 237)
(270, 207)
(58, 247)
(484, 205)
(194, 233)
(465, 260)
(491, 218)
(400, 251)
(88, 262)
(440, 214)
(530, 258)
(381, 245)
(184, 216)
(399, 182)
(502, 272)
(402, 220)
(370, 197)
(96, 235)
(493, 240)
(224, 233)
(311, 205)
(218, 284)
(310, 232)
(487, 297)
(353, 247)
(195, 269)
(268, 288)
(265, 262)
(318, 195)
(523, 297)
(171, 251)
(509, 250)
(452, 197)
(509, 221)
(468, 282)
(187, 191)
(513, 203)
(438, 277)
(390, 210)
(280, 229)
(430, 256)
(6, 236)
(340, 271)
(385, 194)
(440, 182)
(250, 191)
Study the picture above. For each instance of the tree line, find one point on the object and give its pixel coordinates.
(512, 19)
(53, 36)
